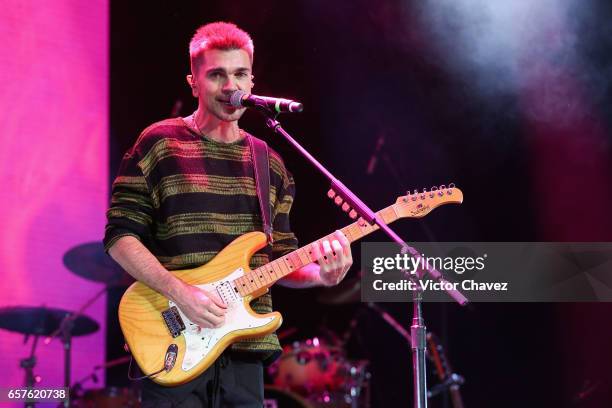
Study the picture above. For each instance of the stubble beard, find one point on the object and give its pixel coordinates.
(218, 111)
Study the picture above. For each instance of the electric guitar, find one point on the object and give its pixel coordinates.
(172, 350)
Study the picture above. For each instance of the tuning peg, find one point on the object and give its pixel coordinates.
(338, 200)
(423, 194)
(414, 195)
(433, 191)
(451, 186)
(353, 214)
(331, 193)
(441, 192)
(345, 207)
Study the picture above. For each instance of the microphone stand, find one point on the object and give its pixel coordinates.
(417, 330)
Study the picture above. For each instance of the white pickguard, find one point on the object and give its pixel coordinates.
(201, 341)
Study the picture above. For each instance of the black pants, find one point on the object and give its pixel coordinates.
(234, 380)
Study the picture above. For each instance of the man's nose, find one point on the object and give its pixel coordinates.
(230, 84)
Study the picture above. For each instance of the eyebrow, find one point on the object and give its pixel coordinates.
(223, 70)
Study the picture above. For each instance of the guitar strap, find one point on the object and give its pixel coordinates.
(261, 168)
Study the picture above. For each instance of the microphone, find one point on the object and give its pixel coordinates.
(240, 99)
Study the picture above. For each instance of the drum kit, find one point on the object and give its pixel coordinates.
(320, 374)
(90, 262)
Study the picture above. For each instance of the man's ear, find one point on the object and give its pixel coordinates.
(192, 84)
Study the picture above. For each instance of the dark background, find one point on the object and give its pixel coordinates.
(527, 140)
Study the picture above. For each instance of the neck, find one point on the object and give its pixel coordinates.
(216, 129)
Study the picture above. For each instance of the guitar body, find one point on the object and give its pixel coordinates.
(149, 337)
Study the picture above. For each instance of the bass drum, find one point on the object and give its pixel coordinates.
(275, 397)
(309, 367)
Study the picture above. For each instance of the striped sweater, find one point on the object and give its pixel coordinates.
(186, 197)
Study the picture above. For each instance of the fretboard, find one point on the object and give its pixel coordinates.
(266, 275)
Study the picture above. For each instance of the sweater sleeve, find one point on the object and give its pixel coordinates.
(131, 210)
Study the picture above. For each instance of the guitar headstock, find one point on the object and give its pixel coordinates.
(419, 204)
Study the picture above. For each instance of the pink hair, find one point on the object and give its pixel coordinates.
(219, 36)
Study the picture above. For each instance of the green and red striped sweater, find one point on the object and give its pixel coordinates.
(186, 197)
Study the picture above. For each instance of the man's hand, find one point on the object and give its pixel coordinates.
(206, 309)
(203, 308)
(334, 259)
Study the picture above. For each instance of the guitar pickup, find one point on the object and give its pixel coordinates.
(173, 321)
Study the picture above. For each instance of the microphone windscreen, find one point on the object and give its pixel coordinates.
(236, 98)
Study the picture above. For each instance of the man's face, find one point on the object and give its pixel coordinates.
(220, 73)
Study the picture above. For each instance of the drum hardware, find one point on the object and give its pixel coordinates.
(78, 386)
(88, 261)
(111, 397)
(452, 380)
(43, 321)
(65, 329)
(28, 365)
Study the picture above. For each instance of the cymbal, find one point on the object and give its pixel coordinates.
(42, 321)
(348, 291)
(89, 261)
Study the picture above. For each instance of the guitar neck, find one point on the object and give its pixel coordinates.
(265, 276)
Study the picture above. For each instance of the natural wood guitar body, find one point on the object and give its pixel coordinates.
(140, 314)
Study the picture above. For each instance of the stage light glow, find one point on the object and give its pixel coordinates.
(499, 45)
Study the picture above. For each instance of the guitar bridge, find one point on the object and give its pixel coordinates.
(173, 321)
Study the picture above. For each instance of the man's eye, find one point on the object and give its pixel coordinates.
(241, 74)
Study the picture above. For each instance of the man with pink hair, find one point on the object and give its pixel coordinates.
(184, 191)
